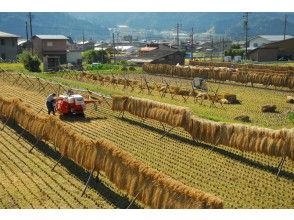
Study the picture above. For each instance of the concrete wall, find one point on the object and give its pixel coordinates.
(8, 50)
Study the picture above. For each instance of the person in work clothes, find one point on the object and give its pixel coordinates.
(50, 103)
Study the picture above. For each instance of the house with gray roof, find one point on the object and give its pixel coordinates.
(160, 54)
(53, 47)
(261, 40)
(8, 47)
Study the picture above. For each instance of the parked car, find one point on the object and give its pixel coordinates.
(283, 59)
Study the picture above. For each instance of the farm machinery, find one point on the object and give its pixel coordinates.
(73, 104)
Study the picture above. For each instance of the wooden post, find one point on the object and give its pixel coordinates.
(57, 163)
(280, 166)
(166, 132)
(35, 144)
(133, 200)
(87, 183)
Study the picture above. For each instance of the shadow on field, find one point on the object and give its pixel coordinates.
(80, 173)
(231, 155)
(80, 118)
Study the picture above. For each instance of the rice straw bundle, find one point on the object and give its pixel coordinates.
(119, 103)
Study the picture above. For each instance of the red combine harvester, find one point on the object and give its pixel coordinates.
(72, 104)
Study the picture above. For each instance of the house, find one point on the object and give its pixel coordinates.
(273, 51)
(162, 54)
(51, 47)
(8, 46)
(261, 40)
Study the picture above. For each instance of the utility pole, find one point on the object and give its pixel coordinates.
(223, 42)
(178, 39)
(83, 40)
(27, 31)
(192, 43)
(113, 45)
(102, 52)
(31, 30)
(211, 47)
(285, 26)
(246, 32)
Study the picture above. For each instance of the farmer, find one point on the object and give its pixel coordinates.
(70, 92)
(50, 103)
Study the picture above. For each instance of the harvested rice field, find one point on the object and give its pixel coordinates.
(28, 182)
(240, 180)
(252, 98)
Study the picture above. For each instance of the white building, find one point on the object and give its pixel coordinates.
(126, 49)
(261, 40)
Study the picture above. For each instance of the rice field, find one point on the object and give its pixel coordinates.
(28, 182)
(252, 99)
(241, 181)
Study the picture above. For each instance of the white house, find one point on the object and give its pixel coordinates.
(261, 40)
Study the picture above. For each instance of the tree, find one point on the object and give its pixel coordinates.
(30, 62)
(235, 50)
(96, 56)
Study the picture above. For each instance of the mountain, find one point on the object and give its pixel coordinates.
(96, 25)
(229, 23)
(51, 23)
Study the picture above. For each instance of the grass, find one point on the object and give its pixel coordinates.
(18, 67)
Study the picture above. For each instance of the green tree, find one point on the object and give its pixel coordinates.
(235, 46)
(30, 62)
(235, 50)
(96, 56)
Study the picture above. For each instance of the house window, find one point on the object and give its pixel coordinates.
(2, 42)
(3, 56)
(49, 44)
(13, 43)
(255, 45)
